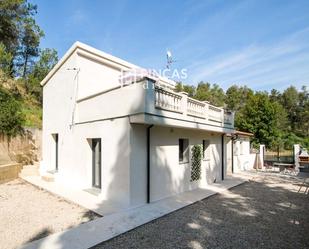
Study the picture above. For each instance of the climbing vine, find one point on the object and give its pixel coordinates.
(196, 162)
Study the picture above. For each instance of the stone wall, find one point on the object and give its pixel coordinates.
(9, 172)
(24, 149)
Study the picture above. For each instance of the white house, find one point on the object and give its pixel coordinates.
(131, 143)
(243, 159)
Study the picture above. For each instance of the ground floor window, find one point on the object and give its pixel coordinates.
(56, 139)
(183, 150)
(96, 162)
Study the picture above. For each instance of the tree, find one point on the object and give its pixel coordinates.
(48, 59)
(290, 102)
(5, 60)
(212, 93)
(18, 30)
(265, 119)
(236, 97)
(275, 95)
(11, 117)
(29, 47)
(180, 87)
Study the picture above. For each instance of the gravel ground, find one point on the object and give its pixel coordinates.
(28, 213)
(266, 212)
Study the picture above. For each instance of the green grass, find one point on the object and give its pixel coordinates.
(33, 115)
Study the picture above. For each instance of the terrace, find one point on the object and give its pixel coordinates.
(155, 105)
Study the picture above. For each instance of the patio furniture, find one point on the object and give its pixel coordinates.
(305, 177)
(284, 168)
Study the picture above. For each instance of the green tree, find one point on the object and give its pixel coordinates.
(48, 59)
(18, 31)
(11, 117)
(290, 101)
(5, 60)
(180, 87)
(236, 97)
(265, 119)
(29, 48)
(212, 93)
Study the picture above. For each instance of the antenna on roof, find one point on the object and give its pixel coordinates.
(169, 59)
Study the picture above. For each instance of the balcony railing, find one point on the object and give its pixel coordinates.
(168, 100)
(181, 103)
(196, 108)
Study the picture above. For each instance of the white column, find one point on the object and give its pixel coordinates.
(262, 148)
(184, 101)
(206, 109)
(296, 149)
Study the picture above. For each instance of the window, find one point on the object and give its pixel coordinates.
(183, 150)
(56, 139)
(241, 147)
(96, 162)
(206, 150)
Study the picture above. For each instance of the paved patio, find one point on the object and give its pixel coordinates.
(109, 226)
(270, 211)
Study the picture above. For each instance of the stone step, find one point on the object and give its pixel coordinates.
(29, 170)
(34, 167)
(48, 177)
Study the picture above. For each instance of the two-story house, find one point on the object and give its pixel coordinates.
(132, 143)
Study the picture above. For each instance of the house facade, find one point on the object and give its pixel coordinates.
(243, 158)
(131, 142)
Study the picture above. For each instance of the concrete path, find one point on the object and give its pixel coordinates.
(80, 197)
(109, 226)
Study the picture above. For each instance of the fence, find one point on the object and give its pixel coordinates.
(278, 156)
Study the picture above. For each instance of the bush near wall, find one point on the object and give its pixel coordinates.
(196, 162)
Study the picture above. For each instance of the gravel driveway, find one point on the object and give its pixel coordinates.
(28, 213)
(266, 212)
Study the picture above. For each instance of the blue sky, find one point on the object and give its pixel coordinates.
(262, 44)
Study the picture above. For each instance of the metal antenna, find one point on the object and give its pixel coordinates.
(169, 59)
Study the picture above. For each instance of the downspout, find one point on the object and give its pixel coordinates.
(232, 155)
(148, 163)
(222, 156)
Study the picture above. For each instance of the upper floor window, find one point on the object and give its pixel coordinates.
(183, 150)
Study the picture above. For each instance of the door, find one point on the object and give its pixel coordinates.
(96, 163)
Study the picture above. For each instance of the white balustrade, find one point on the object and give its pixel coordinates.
(196, 108)
(179, 102)
(215, 113)
(168, 100)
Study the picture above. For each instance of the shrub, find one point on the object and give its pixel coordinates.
(11, 117)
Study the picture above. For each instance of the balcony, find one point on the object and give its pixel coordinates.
(154, 105)
(181, 103)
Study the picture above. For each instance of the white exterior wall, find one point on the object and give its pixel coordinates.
(243, 160)
(168, 177)
(75, 156)
(124, 150)
(138, 161)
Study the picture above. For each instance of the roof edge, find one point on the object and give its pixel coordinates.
(95, 52)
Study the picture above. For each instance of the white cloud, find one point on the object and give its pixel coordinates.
(283, 62)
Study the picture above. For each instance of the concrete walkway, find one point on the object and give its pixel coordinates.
(80, 197)
(109, 226)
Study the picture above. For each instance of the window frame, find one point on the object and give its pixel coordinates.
(183, 151)
(206, 150)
